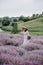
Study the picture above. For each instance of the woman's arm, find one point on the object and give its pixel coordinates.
(28, 36)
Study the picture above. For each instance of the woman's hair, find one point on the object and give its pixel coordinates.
(25, 30)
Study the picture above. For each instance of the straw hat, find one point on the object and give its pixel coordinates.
(24, 28)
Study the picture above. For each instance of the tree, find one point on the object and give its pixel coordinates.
(33, 16)
(6, 21)
(37, 15)
(21, 18)
(25, 19)
(15, 28)
(15, 20)
(42, 13)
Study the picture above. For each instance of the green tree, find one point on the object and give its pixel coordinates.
(6, 21)
(15, 20)
(42, 14)
(25, 19)
(21, 18)
(37, 15)
(15, 28)
(33, 16)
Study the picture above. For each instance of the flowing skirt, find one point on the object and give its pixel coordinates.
(25, 42)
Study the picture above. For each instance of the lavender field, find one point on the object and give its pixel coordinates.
(11, 52)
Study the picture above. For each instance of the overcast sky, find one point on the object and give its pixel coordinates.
(20, 7)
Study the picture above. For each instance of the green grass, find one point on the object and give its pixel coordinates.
(36, 33)
(7, 28)
(35, 26)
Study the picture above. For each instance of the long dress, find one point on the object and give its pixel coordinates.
(26, 41)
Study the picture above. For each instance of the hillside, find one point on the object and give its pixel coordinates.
(34, 26)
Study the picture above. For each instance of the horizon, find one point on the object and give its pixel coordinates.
(20, 15)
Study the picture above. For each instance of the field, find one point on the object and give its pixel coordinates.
(35, 26)
(12, 53)
(11, 50)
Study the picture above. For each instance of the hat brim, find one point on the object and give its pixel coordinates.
(24, 27)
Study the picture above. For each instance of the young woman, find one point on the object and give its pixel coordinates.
(27, 36)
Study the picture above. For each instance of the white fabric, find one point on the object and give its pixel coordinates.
(26, 34)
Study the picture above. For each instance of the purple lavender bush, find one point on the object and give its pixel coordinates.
(12, 53)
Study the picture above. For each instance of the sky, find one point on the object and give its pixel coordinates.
(15, 8)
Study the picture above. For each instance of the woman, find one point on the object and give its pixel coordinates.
(27, 36)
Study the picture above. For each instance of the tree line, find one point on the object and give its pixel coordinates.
(6, 20)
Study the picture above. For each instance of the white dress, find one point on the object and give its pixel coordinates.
(26, 41)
